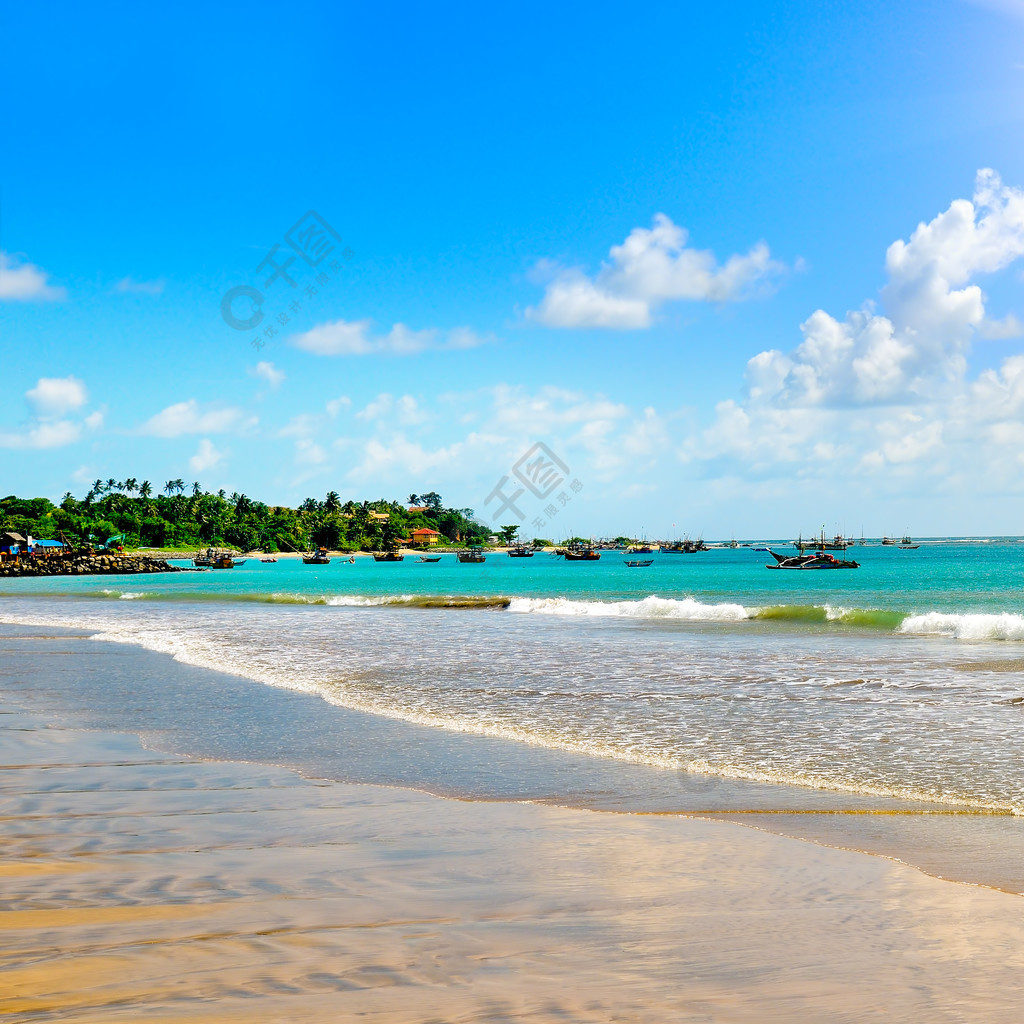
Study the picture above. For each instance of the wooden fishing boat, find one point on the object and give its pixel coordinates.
(424, 558)
(581, 553)
(817, 560)
(639, 563)
(520, 551)
(388, 556)
(474, 555)
(318, 557)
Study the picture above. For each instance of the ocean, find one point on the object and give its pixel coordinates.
(704, 682)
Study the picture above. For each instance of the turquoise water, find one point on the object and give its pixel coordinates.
(948, 577)
(901, 679)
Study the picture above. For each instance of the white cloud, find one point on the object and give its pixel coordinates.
(57, 396)
(888, 391)
(653, 266)
(269, 373)
(52, 400)
(1001, 330)
(309, 453)
(51, 434)
(335, 405)
(206, 457)
(25, 282)
(353, 338)
(129, 286)
(404, 410)
(189, 418)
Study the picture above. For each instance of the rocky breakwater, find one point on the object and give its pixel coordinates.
(86, 565)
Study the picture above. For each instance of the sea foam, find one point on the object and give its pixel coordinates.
(977, 626)
(649, 608)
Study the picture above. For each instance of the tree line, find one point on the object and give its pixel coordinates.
(183, 516)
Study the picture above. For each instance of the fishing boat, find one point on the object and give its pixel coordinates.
(424, 558)
(815, 560)
(889, 541)
(684, 547)
(819, 543)
(388, 556)
(639, 563)
(318, 557)
(268, 560)
(204, 558)
(520, 551)
(216, 558)
(474, 555)
(580, 553)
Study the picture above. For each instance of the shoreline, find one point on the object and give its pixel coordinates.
(185, 889)
(349, 745)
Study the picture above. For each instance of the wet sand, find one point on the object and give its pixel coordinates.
(138, 885)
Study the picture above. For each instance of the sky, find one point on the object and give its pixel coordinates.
(707, 270)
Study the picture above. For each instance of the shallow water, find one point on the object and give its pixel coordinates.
(901, 679)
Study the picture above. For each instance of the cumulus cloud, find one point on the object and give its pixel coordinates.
(189, 418)
(887, 388)
(652, 267)
(57, 396)
(25, 282)
(918, 346)
(206, 457)
(52, 401)
(354, 338)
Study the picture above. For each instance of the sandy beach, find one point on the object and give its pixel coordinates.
(138, 885)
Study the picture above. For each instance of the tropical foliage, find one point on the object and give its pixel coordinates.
(183, 516)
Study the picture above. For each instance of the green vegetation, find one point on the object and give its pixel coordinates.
(187, 516)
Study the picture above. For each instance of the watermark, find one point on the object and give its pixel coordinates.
(538, 472)
(310, 239)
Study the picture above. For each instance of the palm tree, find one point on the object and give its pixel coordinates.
(332, 502)
(196, 489)
(131, 485)
(112, 483)
(145, 489)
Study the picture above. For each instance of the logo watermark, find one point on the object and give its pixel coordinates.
(310, 239)
(540, 472)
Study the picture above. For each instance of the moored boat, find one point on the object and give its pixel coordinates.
(520, 551)
(424, 558)
(816, 560)
(639, 563)
(318, 557)
(388, 556)
(580, 553)
(473, 555)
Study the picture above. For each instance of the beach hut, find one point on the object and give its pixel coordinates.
(12, 545)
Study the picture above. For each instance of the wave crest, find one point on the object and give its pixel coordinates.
(649, 608)
(976, 626)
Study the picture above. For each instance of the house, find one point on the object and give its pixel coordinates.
(419, 508)
(380, 517)
(424, 538)
(46, 548)
(12, 545)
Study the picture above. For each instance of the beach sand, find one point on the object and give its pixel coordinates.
(137, 885)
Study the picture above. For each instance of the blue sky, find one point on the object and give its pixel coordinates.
(659, 242)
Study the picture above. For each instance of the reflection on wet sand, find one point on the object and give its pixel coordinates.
(136, 884)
